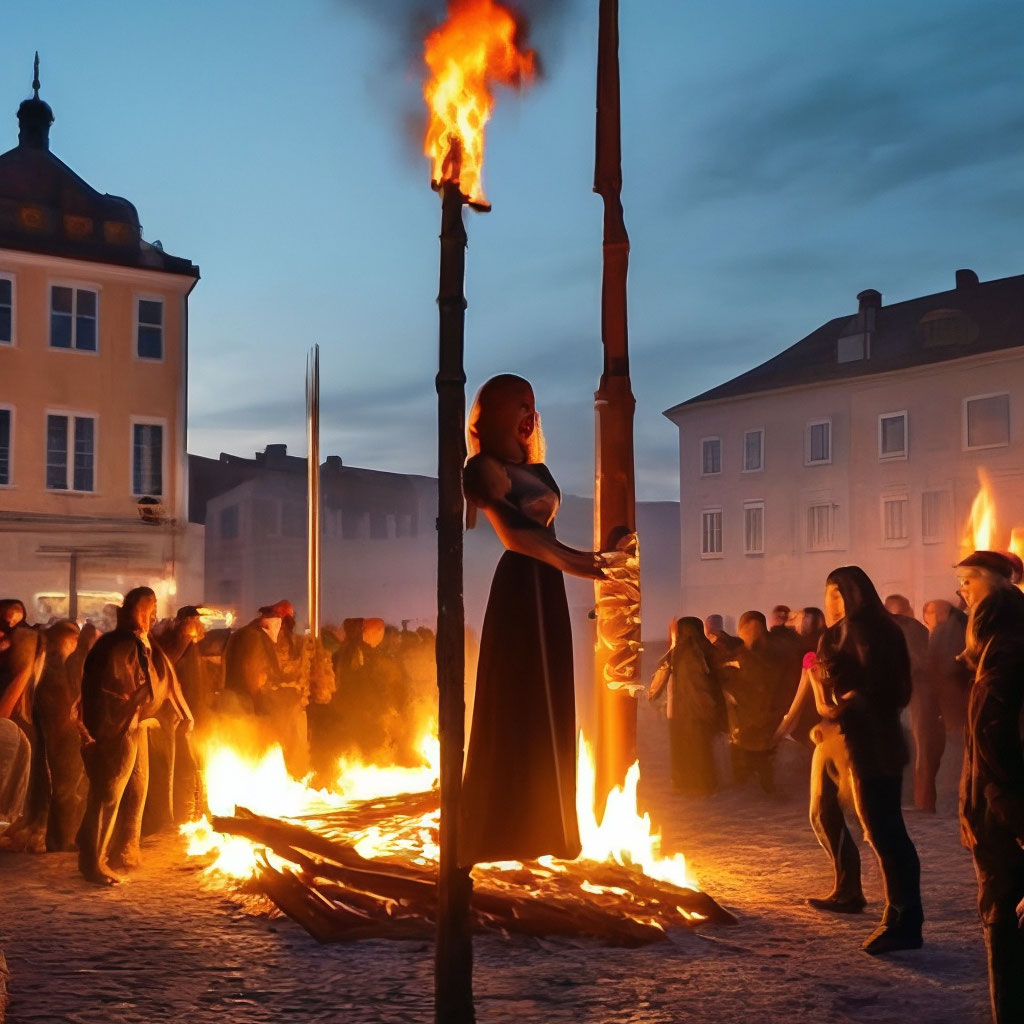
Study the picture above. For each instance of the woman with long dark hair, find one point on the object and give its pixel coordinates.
(861, 684)
(695, 708)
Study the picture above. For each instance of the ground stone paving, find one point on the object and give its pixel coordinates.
(162, 948)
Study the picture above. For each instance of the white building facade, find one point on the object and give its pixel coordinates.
(861, 444)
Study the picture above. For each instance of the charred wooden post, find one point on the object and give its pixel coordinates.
(453, 992)
(616, 657)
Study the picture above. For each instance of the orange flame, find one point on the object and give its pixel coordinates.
(980, 528)
(473, 49)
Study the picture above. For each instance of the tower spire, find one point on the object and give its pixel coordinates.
(35, 116)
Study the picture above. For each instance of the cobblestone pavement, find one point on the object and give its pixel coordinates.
(161, 948)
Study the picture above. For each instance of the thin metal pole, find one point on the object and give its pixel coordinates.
(453, 969)
(73, 585)
(614, 479)
(313, 489)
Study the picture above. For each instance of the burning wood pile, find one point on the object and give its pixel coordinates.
(357, 868)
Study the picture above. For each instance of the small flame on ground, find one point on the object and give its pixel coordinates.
(472, 50)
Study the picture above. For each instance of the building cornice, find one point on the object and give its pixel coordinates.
(181, 283)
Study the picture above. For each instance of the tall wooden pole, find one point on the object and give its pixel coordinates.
(313, 489)
(614, 485)
(453, 968)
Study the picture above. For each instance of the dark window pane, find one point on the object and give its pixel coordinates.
(86, 303)
(84, 428)
(5, 291)
(60, 330)
(229, 522)
(151, 312)
(57, 453)
(60, 300)
(147, 459)
(5, 323)
(150, 342)
(85, 333)
(5, 446)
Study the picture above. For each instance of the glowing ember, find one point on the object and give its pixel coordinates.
(474, 49)
(358, 781)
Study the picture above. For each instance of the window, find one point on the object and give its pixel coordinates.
(936, 516)
(987, 421)
(710, 456)
(73, 318)
(228, 522)
(5, 446)
(6, 311)
(819, 442)
(821, 526)
(753, 451)
(892, 435)
(711, 532)
(753, 527)
(147, 459)
(150, 336)
(70, 453)
(895, 519)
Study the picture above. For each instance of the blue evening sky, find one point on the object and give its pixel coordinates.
(778, 158)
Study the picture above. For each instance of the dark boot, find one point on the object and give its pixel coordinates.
(839, 904)
(900, 929)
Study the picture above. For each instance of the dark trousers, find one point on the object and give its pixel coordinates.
(877, 801)
(999, 865)
(929, 733)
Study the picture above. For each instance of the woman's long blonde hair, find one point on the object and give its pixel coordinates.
(480, 426)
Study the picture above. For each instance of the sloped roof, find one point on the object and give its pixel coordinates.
(45, 207)
(972, 318)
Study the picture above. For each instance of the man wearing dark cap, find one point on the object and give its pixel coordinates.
(981, 572)
(250, 659)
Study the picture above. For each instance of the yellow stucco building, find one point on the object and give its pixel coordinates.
(93, 386)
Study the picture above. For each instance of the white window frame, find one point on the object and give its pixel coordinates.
(713, 510)
(746, 434)
(931, 538)
(5, 407)
(808, 461)
(901, 455)
(749, 506)
(76, 286)
(978, 398)
(148, 421)
(833, 508)
(137, 298)
(72, 415)
(6, 275)
(704, 441)
(895, 542)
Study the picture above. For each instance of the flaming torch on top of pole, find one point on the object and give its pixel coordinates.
(475, 48)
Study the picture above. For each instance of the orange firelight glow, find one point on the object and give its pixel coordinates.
(980, 529)
(475, 48)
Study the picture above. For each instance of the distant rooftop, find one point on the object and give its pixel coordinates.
(45, 207)
(972, 318)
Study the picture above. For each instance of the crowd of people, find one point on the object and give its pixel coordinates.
(851, 680)
(102, 733)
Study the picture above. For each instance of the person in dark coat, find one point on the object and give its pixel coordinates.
(861, 684)
(250, 663)
(125, 683)
(992, 789)
(950, 676)
(926, 723)
(695, 708)
(757, 693)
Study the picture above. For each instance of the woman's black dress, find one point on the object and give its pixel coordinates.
(519, 789)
